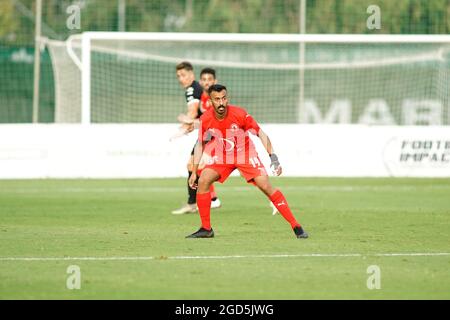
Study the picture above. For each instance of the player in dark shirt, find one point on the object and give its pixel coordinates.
(193, 94)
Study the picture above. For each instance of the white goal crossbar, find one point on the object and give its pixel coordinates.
(88, 37)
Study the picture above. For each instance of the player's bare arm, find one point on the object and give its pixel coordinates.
(188, 120)
(192, 110)
(275, 164)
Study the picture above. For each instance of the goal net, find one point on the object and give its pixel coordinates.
(104, 77)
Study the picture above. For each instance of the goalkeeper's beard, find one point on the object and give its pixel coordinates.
(221, 109)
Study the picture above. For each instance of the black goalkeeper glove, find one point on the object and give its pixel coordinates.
(274, 163)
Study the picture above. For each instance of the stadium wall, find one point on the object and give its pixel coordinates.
(144, 151)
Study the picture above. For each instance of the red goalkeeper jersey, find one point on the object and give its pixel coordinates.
(230, 136)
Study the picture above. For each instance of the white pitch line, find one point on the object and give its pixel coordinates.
(411, 254)
(329, 188)
(269, 256)
(75, 258)
(309, 255)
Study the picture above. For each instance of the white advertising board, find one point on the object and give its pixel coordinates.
(144, 150)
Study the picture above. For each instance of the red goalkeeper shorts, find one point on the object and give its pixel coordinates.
(247, 170)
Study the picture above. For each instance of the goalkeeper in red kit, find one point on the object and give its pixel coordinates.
(229, 127)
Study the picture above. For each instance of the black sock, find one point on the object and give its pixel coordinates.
(191, 192)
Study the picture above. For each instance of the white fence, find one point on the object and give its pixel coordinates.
(144, 151)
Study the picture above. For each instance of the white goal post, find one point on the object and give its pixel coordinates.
(363, 72)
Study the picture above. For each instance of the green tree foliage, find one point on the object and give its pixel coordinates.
(263, 16)
(8, 19)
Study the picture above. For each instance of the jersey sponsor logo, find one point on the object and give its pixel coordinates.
(190, 90)
(190, 98)
(231, 144)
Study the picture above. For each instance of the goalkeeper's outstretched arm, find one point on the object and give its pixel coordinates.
(274, 163)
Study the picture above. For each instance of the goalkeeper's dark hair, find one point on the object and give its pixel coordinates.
(208, 71)
(216, 88)
(185, 65)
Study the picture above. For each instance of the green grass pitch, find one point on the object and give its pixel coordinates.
(353, 224)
